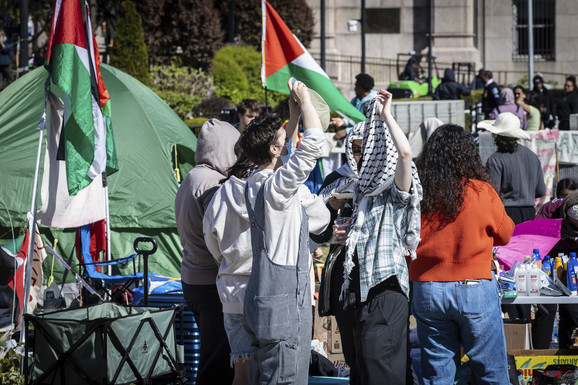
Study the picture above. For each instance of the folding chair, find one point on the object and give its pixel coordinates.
(90, 272)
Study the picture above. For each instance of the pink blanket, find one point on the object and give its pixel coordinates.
(540, 234)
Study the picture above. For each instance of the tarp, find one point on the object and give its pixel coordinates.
(141, 194)
(541, 234)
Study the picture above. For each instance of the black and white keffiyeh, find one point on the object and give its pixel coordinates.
(348, 170)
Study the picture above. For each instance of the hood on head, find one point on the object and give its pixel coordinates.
(507, 96)
(449, 76)
(216, 145)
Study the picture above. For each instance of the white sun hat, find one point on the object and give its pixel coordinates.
(506, 124)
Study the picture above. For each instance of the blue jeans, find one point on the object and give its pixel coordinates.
(450, 314)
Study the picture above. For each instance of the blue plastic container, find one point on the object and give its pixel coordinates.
(191, 336)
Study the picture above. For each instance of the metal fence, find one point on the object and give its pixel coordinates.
(343, 68)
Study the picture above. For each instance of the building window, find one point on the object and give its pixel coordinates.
(543, 12)
(382, 20)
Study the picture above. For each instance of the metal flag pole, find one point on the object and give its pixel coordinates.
(32, 215)
(107, 221)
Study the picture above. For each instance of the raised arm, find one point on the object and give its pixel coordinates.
(403, 168)
(292, 129)
(300, 94)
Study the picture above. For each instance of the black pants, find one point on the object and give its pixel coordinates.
(344, 319)
(214, 360)
(542, 326)
(568, 322)
(380, 333)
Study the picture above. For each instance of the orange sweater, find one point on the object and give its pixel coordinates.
(463, 249)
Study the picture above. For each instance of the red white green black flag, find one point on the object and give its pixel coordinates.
(284, 56)
(87, 144)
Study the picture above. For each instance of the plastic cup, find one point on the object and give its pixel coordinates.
(340, 229)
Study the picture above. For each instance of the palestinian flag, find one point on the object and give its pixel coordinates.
(284, 56)
(73, 61)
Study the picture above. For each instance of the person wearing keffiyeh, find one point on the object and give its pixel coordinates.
(342, 180)
(384, 230)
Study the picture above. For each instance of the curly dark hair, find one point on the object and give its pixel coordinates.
(259, 135)
(448, 162)
(506, 144)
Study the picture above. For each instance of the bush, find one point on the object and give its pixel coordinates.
(129, 52)
(211, 108)
(182, 88)
(237, 76)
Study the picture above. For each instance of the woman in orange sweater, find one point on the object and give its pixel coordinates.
(455, 298)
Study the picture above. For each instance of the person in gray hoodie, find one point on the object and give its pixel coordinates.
(215, 154)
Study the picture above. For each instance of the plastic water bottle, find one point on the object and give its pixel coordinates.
(522, 280)
(534, 280)
(547, 266)
(536, 259)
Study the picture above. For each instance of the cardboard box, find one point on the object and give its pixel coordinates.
(335, 345)
(325, 330)
(337, 359)
(518, 335)
(528, 360)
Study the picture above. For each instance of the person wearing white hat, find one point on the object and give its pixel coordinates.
(515, 169)
(517, 174)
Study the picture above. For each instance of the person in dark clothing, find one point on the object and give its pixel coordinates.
(450, 89)
(5, 59)
(413, 70)
(568, 104)
(478, 83)
(544, 320)
(491, 96)
(546, 102)
(342, 179)
(515, 169)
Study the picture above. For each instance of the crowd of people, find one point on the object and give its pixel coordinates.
(537, 109)
(417, 240)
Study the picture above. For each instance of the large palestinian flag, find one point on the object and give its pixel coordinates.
(284, 56)
(74, 65)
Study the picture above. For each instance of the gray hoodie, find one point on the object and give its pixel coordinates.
(214, 155)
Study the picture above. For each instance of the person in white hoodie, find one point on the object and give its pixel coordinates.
(227, 235)
(282, 212)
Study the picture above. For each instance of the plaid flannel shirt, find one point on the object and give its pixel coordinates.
(379, 247)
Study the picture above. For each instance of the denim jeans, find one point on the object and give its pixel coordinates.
(450, 314)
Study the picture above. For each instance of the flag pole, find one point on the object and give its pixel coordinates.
(32, 216)
(107, 220)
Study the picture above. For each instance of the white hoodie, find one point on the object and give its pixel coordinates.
(226, 224)
(285, 194)
(228, 237)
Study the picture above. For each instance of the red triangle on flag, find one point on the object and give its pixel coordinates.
(280, 47)
(67, 26)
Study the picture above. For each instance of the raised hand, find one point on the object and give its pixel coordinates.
(384, 99)
(299, 91)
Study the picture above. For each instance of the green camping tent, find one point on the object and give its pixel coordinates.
(141, 193)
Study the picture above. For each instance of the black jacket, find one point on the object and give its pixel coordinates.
(567, 105)
(491, 98)
(450, 89)
(546, 99)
